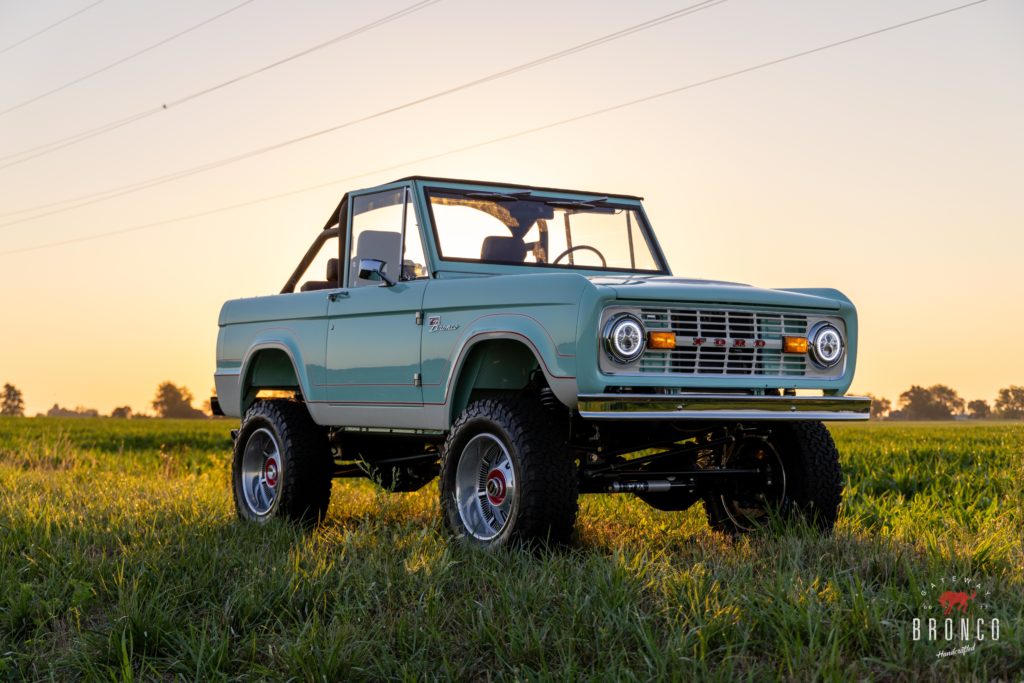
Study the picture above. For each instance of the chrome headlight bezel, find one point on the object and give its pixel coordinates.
(826, 346)
(619, 332)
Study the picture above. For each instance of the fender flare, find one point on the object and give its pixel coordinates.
(288, 347)
(563, 386)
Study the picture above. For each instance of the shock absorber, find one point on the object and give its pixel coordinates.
(649, 486)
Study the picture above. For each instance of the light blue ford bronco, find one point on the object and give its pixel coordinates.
(526, 345)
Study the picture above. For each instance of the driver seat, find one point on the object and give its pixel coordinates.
(506, 249)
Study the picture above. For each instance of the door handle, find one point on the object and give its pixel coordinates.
(334, 296)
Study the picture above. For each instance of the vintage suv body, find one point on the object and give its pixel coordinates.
(530, 344)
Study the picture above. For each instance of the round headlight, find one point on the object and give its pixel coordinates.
(624, 338)
(826, 345)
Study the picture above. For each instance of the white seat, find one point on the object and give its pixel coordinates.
(381, 245)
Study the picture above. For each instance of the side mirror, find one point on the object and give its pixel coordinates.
(373, 269)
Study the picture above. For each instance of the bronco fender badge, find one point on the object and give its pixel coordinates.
(435, 324)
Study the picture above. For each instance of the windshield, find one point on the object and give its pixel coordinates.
(524, 228)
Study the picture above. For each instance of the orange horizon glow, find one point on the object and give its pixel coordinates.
(888, 169)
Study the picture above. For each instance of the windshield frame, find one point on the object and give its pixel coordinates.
(477, 265)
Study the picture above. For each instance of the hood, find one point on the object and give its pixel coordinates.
(681, 290)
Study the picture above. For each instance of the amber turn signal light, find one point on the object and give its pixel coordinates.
(661, 340)
(794, 344)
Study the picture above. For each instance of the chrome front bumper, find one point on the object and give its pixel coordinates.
(721, 407)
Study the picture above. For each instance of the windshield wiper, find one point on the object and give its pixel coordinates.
(501, 196)
(576, 203)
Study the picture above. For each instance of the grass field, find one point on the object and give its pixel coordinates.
(122, 559)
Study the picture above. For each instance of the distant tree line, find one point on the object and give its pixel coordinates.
(940, 402)
(170, 401)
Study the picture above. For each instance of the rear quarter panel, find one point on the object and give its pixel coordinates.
(293, 323)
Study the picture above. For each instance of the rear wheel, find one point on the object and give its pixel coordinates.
(282, 465)
(803, 479)
(506, 476)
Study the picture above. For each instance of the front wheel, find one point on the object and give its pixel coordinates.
(506, 476)
(803, 479)
(282, 465)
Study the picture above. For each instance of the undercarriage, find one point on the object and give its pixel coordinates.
(668, 466)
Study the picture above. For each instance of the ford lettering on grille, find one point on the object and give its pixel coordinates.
(724, 342)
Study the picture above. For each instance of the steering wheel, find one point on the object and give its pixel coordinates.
(604, 263)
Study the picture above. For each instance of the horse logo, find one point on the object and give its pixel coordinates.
(951, 599)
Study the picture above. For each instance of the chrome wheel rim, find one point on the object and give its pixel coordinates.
(485, 487)
(262, 471)
(750, 511)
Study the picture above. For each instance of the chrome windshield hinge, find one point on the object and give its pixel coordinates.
(417, 379)
(419, 317)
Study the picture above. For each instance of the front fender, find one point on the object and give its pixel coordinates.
(563, 385)
(556, 357)
(554, 350)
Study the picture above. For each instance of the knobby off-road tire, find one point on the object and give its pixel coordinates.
(506, 476)
(282, 465)
(812, 487)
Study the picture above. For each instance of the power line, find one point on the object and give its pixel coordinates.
(55, 145)
(51, 26)
(92, 198)
(81, 136)
(503, 138)
(118, 62)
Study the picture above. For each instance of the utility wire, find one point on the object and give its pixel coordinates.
(51, 26)
(92, 198)
(503, 138)
(54, 145)
(125, 59)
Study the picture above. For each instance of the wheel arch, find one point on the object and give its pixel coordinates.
(499, 361)
(269, 365)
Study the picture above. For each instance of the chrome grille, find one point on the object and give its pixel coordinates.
(724, 342)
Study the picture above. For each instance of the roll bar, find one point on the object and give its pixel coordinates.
(314, 249)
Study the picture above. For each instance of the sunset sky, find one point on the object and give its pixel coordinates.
(890, 168)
